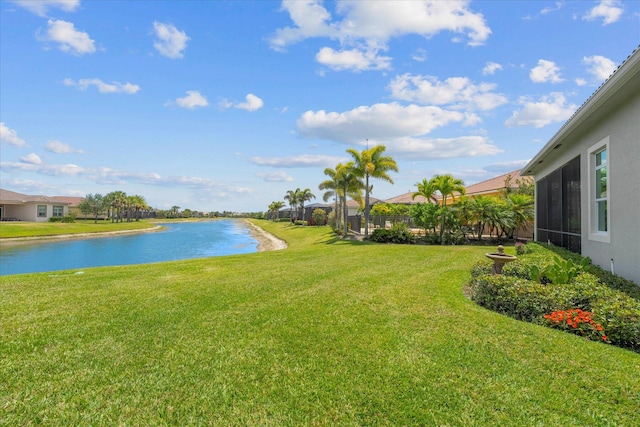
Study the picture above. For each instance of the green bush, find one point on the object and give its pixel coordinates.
(613, 300)
(619, 314)
(513, 296)
(66, 219)
(398, 233)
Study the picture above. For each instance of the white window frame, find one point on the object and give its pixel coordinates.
(61, 212)
(594, 233)
(40, 214)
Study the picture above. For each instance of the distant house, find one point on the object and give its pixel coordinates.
(496, 186)
(23, 207)
(308, 209)
(588, 177)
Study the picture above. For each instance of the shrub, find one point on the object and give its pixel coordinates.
(577, 321)
(513, 296)
(67, 219)
(398, 233)
(620, 317)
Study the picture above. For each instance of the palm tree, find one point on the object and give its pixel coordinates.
(293, 197)
(447, 186)
(274, 208)
(331, 185)
(137, 203)
(522, 208)
(481, 211)
(349, 184)
(116, 200)
(305, 196)
(371, 163)
(426, 189)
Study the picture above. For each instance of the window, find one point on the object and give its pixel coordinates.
(58, 211)
(599, 207)
(42, 211)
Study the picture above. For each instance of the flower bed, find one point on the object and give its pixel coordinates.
(597, 304)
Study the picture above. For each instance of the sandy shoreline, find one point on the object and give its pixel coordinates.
(266, 241)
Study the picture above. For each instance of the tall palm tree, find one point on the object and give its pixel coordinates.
(305, 196)
(117, 201)
(447, 186)
(137, 203)
(371, 163)
(481, 211)
(349, 184)
(331, 186)
(293, 197)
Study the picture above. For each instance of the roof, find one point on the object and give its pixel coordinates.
(623, 83)
(493, 184)
(407, 199)
(11, 197)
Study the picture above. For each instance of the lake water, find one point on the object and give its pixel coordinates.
(179, 241)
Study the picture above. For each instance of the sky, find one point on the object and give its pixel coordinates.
(226, 105)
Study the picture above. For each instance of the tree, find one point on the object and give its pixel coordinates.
(522, 209)
(93, 204)
(371, 163)
(319, 216)
(348, 184)
(426, 189)
(331, 187)
(447, 186)
(274, 209)
(425, 215)
(136, 203)
(304, 196)
(481, 211)
(116, 201)
(293, 197)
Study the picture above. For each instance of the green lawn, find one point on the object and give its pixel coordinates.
(326, 332)
(11, 229)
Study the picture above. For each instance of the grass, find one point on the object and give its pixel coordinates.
(12, 229)
(327, 332)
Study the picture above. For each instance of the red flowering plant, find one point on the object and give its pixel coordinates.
(577, 321)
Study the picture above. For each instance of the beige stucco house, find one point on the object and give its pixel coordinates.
(23, 207)
(588, 177)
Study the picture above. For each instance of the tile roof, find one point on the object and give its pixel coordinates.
(494, 184)
(7, 196)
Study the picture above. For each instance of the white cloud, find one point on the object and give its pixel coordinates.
(10, 136)
(41, 7)
(252, 103)
(69, 39)
(32, 158)
(193, 100)
(545, 71)
(301, 161)
(52, 170)
(60, 148)
(609, 10)
(599, 66)
(400, 128)
(442, 148)
(581, 81)
(548, 109)
(550, 9)
(368, 26)
(114, 87)
(279, 176)
(170, 42)
(353, 59)
(457, 92)
(420, 55)
(491, 68)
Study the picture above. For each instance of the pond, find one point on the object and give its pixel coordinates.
(178, 241)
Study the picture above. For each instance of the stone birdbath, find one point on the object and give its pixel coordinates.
(499, 259)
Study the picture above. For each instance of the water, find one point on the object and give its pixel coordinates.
(179, 241)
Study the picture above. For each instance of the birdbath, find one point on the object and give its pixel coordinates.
(499, 259)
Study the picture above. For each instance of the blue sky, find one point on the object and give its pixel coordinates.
(226, 105)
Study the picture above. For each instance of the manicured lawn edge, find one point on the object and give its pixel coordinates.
(325, 332)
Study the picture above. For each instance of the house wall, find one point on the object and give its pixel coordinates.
(622, 127)
(29, 211)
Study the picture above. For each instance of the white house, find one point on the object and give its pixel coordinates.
(23, 207)
(588, 177)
